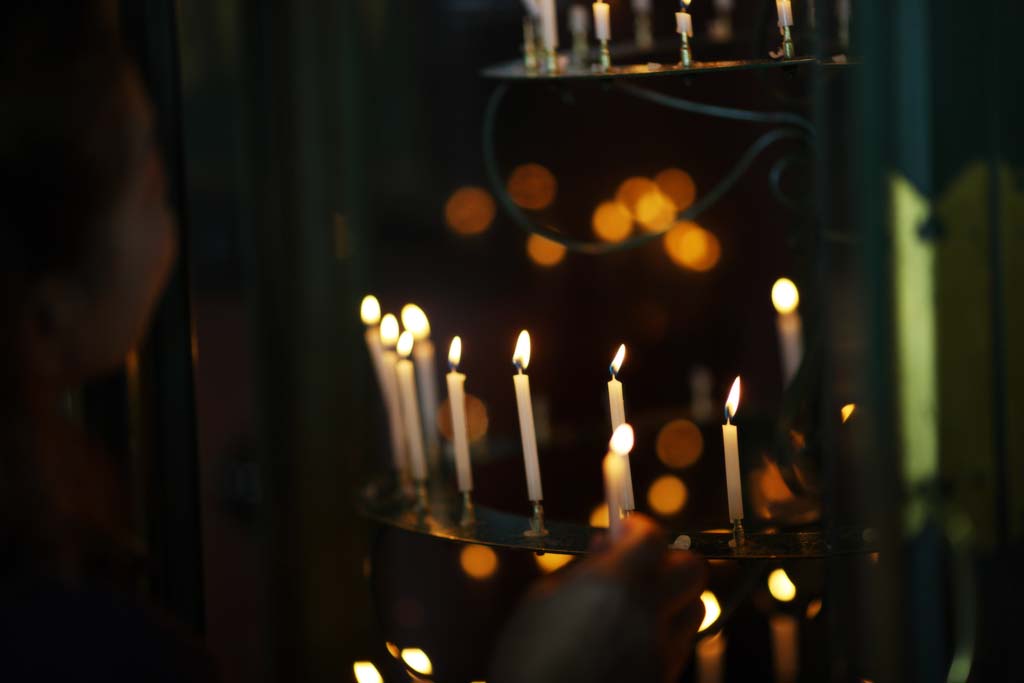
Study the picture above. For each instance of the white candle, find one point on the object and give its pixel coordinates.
(785, 630)
(617, 410)
(785, 11)
(614, 469)
(578, 20)
(532, 8)
(425, 358)
(389, 382)
(710, 656)
(457, 401)
(730, 441)
(684, 23)
(602, 21)
(369, 312)
(549, 24)
(406, 374)
(521, 360)
(789, 326)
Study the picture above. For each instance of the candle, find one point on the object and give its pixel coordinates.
(615, 482)
(785, 11)
(532, 8)
(618, 417)
(602, 20)
(785, 630)
(369, 312)
(521, 360)
(730, 442)
(424, 357)
(710, 656)
(578, 20)
(549, 25)
(389, 380)
(788, 325)
(457, 401)
(406, 374)
(684, 22)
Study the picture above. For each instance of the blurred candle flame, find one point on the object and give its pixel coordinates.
(785, 296)
(366, 672)
(389, 331)
(521, 356)
(405, 342)
(369, 310)
(732, 403)
(620, 356)
(712, 610)
(622, 440)
(417, 660)
(780, 586)
(455, 352)
(415, 320)
(847, 410)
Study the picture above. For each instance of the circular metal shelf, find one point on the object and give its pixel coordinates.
(515, 71)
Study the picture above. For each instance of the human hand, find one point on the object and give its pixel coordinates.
(629, 613)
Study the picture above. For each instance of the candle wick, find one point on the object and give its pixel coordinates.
(611, 369)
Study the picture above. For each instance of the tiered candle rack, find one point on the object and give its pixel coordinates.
(515, 71)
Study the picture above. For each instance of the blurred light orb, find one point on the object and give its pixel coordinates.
(366, 672)
(846, 411)
(612, 221)
(780, 586)
(392, 649)
(552, 562)
(544, 252)
(532, 186)
(691, 246)
(599, 516)
(667, 495)
(677, 186)
(477, 421)
(785, 296)
(655, 212)
(679, 444)
(712, 610)
(469, 211)
(478, 561)
(417, 660)
(631, 190)
(813, 608)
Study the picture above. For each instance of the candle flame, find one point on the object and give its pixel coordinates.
(455, 352)
(622, 440)
(785, 296)
(686, 4)
(847, 410)
(415, 320)
(369, 310)
(405, 342)
(366, 672)
(389, 331)
(417, 660)
(732, 403)
(620, 356)
(780, 586)
(712, 610)
(521, 356)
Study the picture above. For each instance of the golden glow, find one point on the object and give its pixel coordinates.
(455, 352)
(678, 186)
(779, 585)
(599, 516)
(389, 331)
(712, 610)
(415, 320)
(552, 562)
(369, 310)
(478, 561)
(813, 608)
(366, 672)
(785, 296)
(393, 650)
(632, 190)
(667, 495)
(847, 410)
(405, 342)
(691, 246)
(655, 211)
(521, 356)
(679, 444)
(620, 356)
(686, 3)
(417, 660)
(532, 186)
(622, 440)
(612, 221)
(469, 211)
(477, 421)
(732, 404)
(544, 252)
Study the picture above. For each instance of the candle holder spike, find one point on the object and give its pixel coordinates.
(788, 49)
(606, 56)
(685, 56)
(422, 500)
(530, 62)
(468, 518)
(537, 527)
(739, 536)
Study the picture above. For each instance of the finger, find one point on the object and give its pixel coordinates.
(682, 577)
(639, 551)
(678, 640)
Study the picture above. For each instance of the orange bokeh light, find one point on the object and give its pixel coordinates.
(632, 189)
(544, 252)
(469, 211)
(532, 186)
(612, 221)
(691, 246)
(655, 212)
(677, 186)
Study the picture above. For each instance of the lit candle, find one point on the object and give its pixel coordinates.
(425, 359)
(406, 373)
(684, 22)
(521, 360)
(642, 23)
(369, 312)
(785, 630)
(785, 11)
(786, 298)
(578, 27)
(457, 401)
(549, 25)
(710, 656)
(389, 380)
(615, 483)
(730, 442)
(602, 21)
(618, 416)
